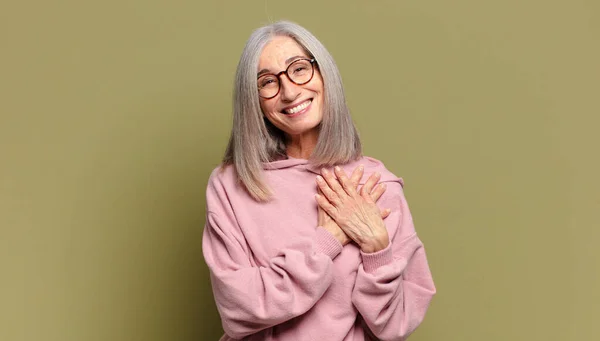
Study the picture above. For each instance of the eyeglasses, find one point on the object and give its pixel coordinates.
(299, 72)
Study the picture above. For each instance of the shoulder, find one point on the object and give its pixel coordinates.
(222, 179)
(222, 175)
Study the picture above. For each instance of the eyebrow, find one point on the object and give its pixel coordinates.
(287, 62)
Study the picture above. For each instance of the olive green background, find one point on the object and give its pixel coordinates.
(113, 113)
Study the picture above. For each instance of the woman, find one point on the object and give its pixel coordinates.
(297, 249)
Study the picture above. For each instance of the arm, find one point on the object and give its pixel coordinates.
(393, 286)
(249, 297)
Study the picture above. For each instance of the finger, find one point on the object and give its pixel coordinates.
(326, 206)
(333, 183)
(371, 181)
(322, 216)
(347, 185)
(378, 191)
(357, 174)
(326, 191)
(385, 213)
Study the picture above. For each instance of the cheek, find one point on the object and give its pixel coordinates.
(318, 87)
(267, 107)
(264, 107)
(268, 114)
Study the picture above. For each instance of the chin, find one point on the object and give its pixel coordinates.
(302, 129)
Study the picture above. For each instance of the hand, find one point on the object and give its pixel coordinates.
(355, 213)
(325, 221)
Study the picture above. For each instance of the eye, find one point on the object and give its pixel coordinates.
(300, 68)
(267, 82)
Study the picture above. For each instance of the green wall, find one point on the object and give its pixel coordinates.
(113, 113)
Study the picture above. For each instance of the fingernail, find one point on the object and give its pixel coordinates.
(361, 167)
(337, 168)
(319, 178)
(383, 186)
(324, 171)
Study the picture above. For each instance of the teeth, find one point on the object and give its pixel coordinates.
(298, 108)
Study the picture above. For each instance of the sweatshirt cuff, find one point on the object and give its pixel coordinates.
(327, 244)
(375, 260)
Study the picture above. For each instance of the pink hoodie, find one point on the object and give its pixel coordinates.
(277, 276)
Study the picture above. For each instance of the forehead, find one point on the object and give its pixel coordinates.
(275, 53)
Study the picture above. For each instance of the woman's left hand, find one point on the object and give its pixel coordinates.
(356, 213)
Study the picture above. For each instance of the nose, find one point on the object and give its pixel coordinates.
(289, 90)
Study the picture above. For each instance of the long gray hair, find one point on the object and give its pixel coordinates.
(254, 140)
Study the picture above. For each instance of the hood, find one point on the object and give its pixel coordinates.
(371, 165)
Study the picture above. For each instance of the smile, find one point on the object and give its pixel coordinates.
(298, 108)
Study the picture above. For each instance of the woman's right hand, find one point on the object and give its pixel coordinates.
(326, 222)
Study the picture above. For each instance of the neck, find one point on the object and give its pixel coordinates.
(302, 146)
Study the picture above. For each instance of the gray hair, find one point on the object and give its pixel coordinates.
(254, 140)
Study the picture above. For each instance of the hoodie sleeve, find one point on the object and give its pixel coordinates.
(394, 286)
(251, 298)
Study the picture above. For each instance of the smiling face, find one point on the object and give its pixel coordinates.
(296, 110)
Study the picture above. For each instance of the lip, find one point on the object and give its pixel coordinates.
(295, 105)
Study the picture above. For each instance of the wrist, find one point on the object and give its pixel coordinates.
(375, 245)
(337, 233)
(373, 261)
